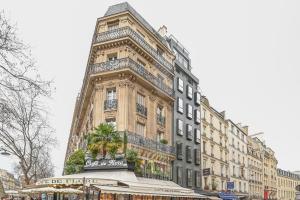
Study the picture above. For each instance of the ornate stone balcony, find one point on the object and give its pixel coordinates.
(111, 104)
(148, 143)
(141, 109)
(124, 63)
(128, 32)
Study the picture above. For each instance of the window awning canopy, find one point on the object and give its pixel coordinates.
(146, 192)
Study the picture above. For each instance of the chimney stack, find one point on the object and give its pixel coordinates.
(163, 31)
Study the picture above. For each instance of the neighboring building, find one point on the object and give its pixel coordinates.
(8, 180)
(129, 83)
(186, 122)
(286, 184)
(238, 162)
(214, 148)
(270, 173)
(255, 168)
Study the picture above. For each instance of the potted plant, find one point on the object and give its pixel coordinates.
(164, 141)
(104, 139)
(132, 158)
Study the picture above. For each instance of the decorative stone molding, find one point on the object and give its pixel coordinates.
(152, 97)
(110, 114)
(99, 87)
(141, 119)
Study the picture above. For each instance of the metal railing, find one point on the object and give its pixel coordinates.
(111, 104)
(141, 109)
(128, 32)
(142, 141)
(129, 63)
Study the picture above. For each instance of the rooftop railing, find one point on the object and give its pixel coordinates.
(128, 32)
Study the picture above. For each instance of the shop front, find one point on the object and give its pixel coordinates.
(109, 185)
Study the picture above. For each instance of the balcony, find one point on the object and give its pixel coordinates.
(111, 104)
(148, 143)
(128, 32)
(161, 120)
(124, 63)
(141, 109)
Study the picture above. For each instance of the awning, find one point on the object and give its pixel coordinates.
(51, 190)
(145, 192)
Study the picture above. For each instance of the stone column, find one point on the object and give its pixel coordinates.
(99, 104)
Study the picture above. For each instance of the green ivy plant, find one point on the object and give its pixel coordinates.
(75, 162)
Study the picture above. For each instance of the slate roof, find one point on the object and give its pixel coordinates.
(125, 6)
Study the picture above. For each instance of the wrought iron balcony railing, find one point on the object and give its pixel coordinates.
(141, 109)
(111, 104)
(161, 120)
(142, 141)
(128, 32)
(129, 63)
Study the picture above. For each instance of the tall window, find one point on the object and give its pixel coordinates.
(188, 154)
(180, 84)
(197, 98)
(189, 93)
(189, 177)
(189, 132)
(179, 127)
(179, 176)
(160, 136)
(180, 105)
(140, 129)
(197, 117)
(198, 178)
(189, 111)
(197, 157)
(140, 99)
(111, 94)
(179, 150)
(197, 136)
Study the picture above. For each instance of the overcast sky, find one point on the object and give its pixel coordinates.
(246, 55)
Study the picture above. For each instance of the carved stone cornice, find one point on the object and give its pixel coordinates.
(99, 87)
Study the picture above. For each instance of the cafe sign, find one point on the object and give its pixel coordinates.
(75, 181)
(105, 164)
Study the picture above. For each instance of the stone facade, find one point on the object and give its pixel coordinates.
(129, 83)
(8, 180)
(255, 166)
(286, 184)
(238, 162)
(270, 173)
(215, 153)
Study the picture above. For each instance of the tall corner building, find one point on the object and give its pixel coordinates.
(129, 82)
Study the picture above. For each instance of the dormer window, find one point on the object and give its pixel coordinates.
(159, 50)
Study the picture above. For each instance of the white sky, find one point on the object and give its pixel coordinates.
(245, 53)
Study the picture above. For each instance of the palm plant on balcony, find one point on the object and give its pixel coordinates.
(104, 139)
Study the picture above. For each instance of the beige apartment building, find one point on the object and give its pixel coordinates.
(8, 180)
(286, 184)
(255, 167)
(214, 148)
(129, 83)
(270, 173)
(238, 162)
